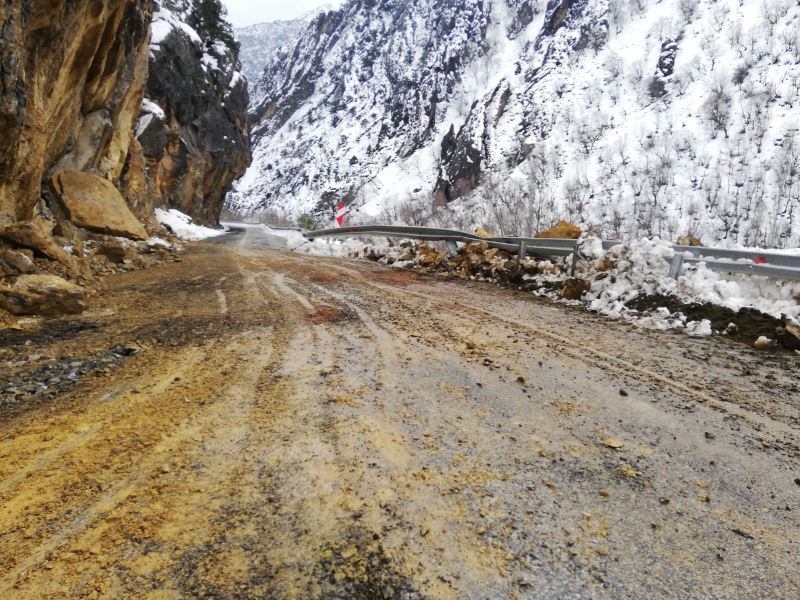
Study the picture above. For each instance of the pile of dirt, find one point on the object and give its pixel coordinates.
(477, 261)
(744, 325)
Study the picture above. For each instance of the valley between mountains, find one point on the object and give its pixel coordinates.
(282, 426)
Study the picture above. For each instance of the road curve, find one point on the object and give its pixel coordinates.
(293, 427)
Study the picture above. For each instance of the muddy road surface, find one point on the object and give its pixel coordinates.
(251, 423)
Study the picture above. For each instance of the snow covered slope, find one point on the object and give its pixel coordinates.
(260, 42)
(632, 117)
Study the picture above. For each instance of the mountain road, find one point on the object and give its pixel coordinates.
(283, 426)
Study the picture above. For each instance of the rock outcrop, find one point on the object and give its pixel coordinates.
(72, 76)
(87, 156)
(14, 262)
(45, 295)
(36, 235)
(193, 136)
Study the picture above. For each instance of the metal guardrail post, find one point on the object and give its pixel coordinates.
(574, 267)
(523, 250)
(452, 247)
(677, 265)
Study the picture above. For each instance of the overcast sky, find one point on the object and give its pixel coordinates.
(248, 12)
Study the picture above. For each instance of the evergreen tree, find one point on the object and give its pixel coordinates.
(210, 20)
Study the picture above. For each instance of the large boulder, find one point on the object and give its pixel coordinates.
(563, 230)
(116, 250)
(36, 235)
(44, 295)
(95, 204)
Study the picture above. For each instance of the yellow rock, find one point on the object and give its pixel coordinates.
(563, 230)
(95, 204)
(613, 443)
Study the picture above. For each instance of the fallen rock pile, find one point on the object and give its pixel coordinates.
(46, 267)
(629, 282)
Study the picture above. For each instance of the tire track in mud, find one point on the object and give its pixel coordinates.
(390, 446)
(586, 353)
(78, 530)
(347, 523)
(400, 310)
(341, 439)
(100, 507)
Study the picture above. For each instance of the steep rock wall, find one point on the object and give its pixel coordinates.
(72, 75)
(193, 136)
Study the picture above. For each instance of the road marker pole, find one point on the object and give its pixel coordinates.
(340, 214)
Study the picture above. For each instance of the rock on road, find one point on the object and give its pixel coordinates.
(296, 427)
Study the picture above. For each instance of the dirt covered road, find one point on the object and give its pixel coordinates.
(251, 423)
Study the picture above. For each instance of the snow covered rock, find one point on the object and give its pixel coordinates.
(193, 132)
(183, 226)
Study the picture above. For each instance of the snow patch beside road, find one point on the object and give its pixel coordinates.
(183, 227)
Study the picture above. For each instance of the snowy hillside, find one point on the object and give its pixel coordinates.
(259, 43)
(630, 117)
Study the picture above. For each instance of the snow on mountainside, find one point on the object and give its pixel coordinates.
(631, 117)
(260, 42)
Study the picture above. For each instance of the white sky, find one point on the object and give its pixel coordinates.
(249, 12)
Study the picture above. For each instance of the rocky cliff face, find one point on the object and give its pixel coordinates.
(666, 118)
(193, 136)
(107, 111)
(72, 76)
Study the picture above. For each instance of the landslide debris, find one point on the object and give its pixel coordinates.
(102, 122)
(600, 276)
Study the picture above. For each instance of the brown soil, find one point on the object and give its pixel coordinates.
(751, 324)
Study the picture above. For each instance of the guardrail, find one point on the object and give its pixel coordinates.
(523, 247)
(765, 264)
(282, 227)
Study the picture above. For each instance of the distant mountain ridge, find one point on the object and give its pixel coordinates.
(261, 41)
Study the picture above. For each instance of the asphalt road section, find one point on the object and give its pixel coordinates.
(251, 423)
